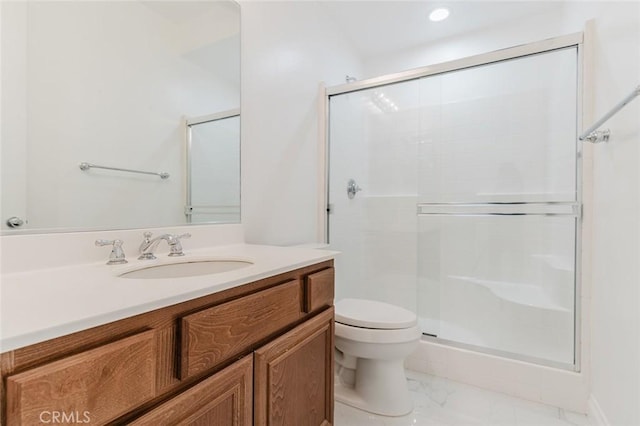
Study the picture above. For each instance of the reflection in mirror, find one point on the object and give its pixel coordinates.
(213, 172)
(108, 83)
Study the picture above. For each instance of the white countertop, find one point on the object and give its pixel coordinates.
(43, 304)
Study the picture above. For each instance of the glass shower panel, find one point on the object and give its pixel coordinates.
(502, 283)
(373, 140)
(501, 132)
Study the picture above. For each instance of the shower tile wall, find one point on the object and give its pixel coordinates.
(498, 133)
(495, 133)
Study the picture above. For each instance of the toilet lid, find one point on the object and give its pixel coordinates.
(373, 314)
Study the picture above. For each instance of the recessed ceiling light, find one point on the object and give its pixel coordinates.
(439, 14)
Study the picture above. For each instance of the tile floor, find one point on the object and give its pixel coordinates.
(442, 402)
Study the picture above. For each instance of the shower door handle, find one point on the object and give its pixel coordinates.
(352, 188)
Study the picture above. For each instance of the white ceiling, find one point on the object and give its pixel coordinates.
(376, 27)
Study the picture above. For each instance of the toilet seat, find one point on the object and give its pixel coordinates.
(372, 335)
(371, 314)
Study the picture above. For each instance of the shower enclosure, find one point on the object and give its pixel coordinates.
(456, 193)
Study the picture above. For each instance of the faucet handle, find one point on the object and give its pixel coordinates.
(175, 248)
(117, 256)
(144, 245)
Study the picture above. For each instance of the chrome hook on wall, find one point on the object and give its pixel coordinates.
(352, 188)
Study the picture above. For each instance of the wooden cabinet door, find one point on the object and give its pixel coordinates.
(293, 384)
(224, 399)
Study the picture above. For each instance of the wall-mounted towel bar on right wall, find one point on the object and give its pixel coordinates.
(595, 136)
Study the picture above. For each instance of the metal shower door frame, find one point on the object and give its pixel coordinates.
(567, 41)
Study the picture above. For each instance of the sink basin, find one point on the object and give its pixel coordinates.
(186, 269)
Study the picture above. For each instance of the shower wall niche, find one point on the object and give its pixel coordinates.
(470, 204)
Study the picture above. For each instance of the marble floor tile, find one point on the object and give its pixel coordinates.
(442, 402)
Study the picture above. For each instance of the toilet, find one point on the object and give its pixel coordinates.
(372, 339)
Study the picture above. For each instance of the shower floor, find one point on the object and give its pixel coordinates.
(443, 402)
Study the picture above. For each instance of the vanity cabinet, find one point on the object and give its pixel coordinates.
(260, 353)
(224, 399)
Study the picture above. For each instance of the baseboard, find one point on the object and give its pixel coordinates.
(595, 413)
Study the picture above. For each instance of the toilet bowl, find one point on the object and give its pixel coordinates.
(372, 339)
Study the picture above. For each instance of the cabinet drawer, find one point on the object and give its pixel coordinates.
(94, 387)
(224, 399)
(319, 290)
(216, 334)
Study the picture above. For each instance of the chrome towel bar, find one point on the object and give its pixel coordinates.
(500, 209)
(593, 135)
(87, 166)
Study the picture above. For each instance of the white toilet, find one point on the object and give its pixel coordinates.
(372, 341)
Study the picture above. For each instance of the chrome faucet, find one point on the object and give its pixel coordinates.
(149, 245)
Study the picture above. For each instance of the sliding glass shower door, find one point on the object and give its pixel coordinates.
(465, 205)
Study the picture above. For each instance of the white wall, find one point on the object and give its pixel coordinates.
(107, 83)
(289, 47)
(532, 28)
(615, 293)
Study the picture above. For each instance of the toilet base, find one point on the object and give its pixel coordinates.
(380, 388)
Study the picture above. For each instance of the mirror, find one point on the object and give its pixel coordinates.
(114, 85)
(213, 169)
